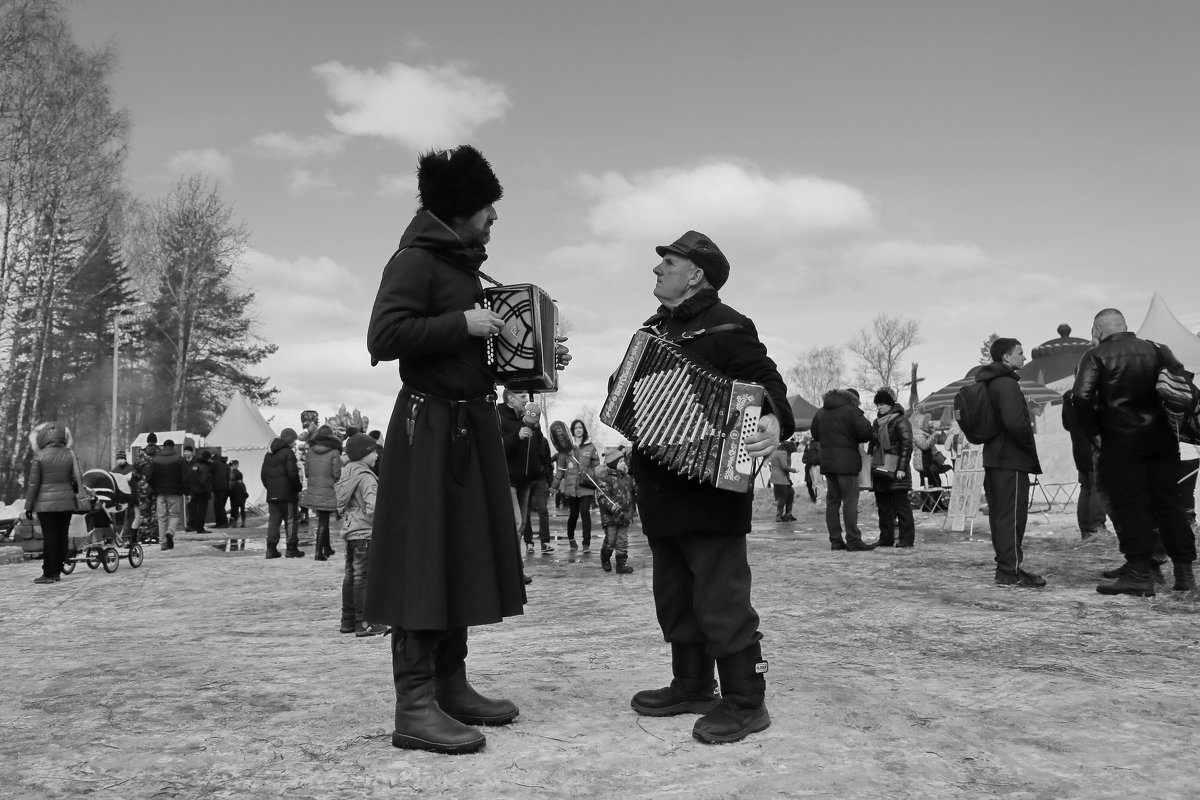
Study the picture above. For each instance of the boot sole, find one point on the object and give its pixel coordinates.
(1131, 592)
(467, 719)
(406, 742)
(689, 707)
(754, 727)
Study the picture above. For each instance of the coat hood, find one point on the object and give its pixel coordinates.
(427, 232)
(278, 444)
(323, 444)
(838, 398)
(50, 434)
(989, 372)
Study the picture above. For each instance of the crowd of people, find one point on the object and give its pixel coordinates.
(432, 524)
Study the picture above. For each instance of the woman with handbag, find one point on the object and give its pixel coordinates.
(891, 480)
(54, 491)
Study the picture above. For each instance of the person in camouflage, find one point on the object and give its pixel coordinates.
(147, 517)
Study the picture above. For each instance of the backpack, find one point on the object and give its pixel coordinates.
(975, 415)
(1179, 397)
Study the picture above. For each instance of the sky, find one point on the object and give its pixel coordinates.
(978, 167)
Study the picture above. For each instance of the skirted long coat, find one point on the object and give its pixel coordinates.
(444, 550)
(322, 468)
(51, 485)
(672, 505)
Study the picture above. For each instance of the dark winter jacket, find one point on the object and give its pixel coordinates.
(528, 459)
(1081, 445)
(51, 485)
(237, 486)
(1115, 396)
(220, 475)
(200, 478)
(900, 444)
(840, 427)
(443, 551)
(168, 474)
(322, 468)
(1015, 447)
(280, 473)
(670, 504)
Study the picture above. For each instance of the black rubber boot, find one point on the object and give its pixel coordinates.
(420, 722)
(1185, 578)
(606, 559)
(692, 691)
(623, 567)
(1137, 580)
(453, 691)
(741, 711)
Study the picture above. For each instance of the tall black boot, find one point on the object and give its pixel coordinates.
(322, 546)
(1185, 577)
(455, 694)
(420, 722)
(741, 711)
(692, 691)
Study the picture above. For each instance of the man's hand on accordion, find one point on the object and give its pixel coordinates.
(483, 322)
(562, 355)
(764, 442)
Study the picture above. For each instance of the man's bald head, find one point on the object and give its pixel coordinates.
(1108, 322)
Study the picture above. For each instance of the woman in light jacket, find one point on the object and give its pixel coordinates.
(51, 492)
(322, 469)
(575, 477)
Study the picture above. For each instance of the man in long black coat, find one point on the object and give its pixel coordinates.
(696, 532)
(444, 554)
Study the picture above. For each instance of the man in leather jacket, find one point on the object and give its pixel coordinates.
(1118, 407)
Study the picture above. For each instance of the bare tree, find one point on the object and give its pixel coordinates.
(985, 351)
(816, 371)
(880, 349)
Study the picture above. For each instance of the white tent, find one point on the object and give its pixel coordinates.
(1165, 328)
(243, 435)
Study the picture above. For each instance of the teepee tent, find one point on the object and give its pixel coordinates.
(244, 435)
(1164, 327)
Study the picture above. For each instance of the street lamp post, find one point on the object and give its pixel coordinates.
(112, 451)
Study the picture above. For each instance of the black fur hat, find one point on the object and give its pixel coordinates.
(456, 183)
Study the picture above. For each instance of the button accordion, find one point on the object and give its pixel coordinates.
(523, 354)
(684, 415)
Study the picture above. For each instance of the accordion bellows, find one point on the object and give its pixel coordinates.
(523, 354)
(684, 415)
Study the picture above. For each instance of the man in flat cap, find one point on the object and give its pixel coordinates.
(443, 546)
(696, 532)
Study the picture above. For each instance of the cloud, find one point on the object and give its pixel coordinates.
(280, 144)
(419, 107)
(208, 161)
(398, 185)
(734, 199)
(301, 180)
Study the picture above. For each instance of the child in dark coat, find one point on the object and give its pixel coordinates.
(616, 510)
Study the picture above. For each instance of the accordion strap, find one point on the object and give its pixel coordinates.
(688, 335)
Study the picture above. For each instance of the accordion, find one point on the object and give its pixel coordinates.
(684, 415)
(522, 355)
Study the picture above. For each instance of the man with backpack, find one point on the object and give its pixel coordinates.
(1009, 457)
(1118, 405)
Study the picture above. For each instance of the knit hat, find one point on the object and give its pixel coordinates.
(169, 443)
(613, 456)
(456, 183)
(359, 446)
(288, 435)
(700, 250)
(120, 454)
(884, 398)
(152, 438)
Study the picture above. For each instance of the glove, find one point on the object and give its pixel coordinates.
(29, 513)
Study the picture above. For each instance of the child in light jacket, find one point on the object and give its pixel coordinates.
(355, 492)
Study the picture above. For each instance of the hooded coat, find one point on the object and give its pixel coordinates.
(668, 503)
(444, 542)
(355, 493)
(1015, 447)
(840, 427)
(168, 474)
(280, 472)
(51, 484)
(322, 468)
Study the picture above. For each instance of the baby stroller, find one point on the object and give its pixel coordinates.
(103, 546)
